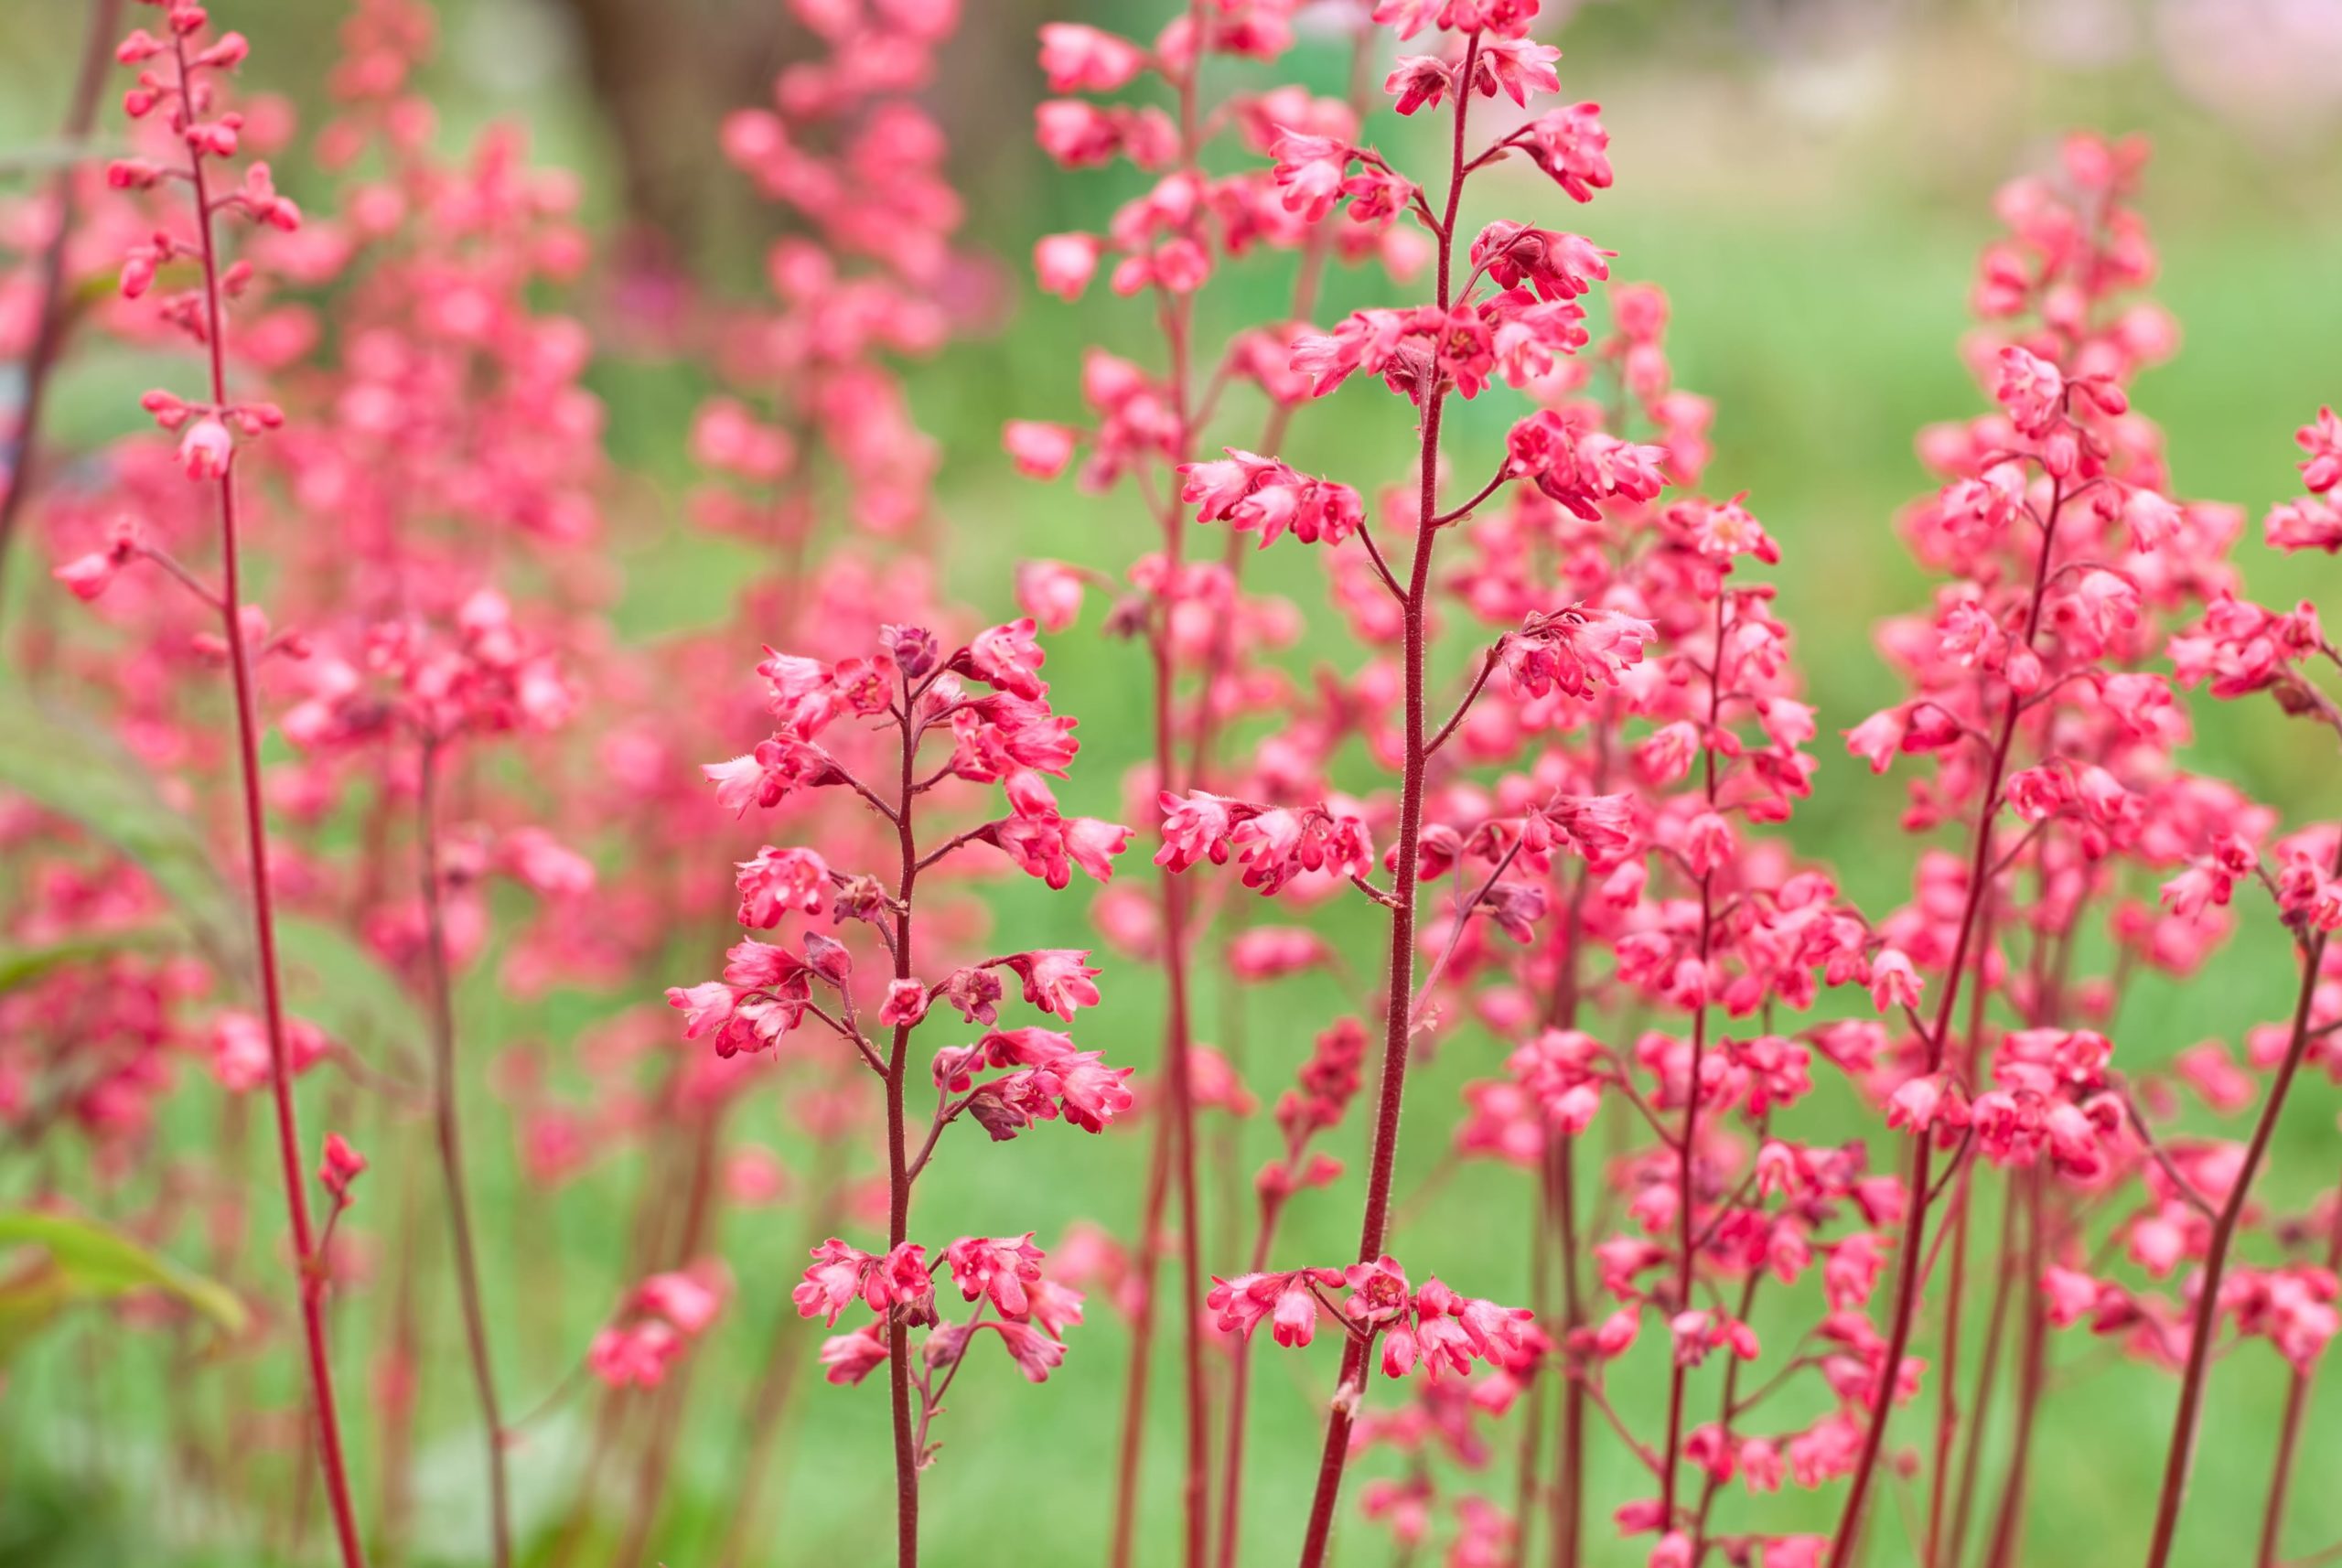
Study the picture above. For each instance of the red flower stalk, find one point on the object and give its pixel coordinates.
(186, 99)
(904, 694)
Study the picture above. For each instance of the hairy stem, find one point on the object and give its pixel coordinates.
(1399, 995)
(311, 1266)
(2207, 1298)
(449, 1135)
(898, 1179)
(1917, 1186)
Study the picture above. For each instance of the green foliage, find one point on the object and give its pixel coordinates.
(82, 1262)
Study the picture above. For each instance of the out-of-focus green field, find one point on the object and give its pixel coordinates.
(1817, 270)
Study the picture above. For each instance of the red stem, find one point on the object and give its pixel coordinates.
(1238, 1385)
(2009, 1520)
(1995, 1323)
(1918, 1185)
(1946, 1385)
(449, 1137)
(1687, 1252)
(2289, 1430)
(898, 1181)
(1134, 1388)
(1399, 998)
(280, 1067)
(2208, 1299)
(1180, 1134)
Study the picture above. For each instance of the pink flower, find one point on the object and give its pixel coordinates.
(905, 1004)
(1571, 146)
(1517, 67)
(1894, 983)
(1251, 493)
(780, 880)
(2322, 439)
(207, 448)
(1000, 1270)
(341, 1167)
(1197, 827)
(683, 1299)
(851, 1358)
(1056, 980)
(1036, 1355)
(1064, 264)
(1005, 657)
(1576, 649)
(1554, 266)
(1076, 58)
(1041, 450)
(635, 1357)
(1050, 592)
(2032, 391)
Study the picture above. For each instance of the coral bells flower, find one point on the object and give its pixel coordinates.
(1581, 468)
(1575, 650)
(1057, 979)
(341, 1167)
(205, 448)
(1259, 494)
(780, 880)
(1554, 265)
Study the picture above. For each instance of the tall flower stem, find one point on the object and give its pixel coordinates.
(280, 1067)
(898, 1177)
(2008, 1519)
(2289, 1427)
(1399, 997)
(1987, 1374)
(1687, 1256)
(2207, 1296)
(1178, 1134)
(447, 1130)
(1948, 1385)
(48, 331)
(1239, 1378)
(1917, 1188)
(1146, 1255)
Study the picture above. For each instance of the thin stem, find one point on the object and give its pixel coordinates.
(1686, 1194)
(899, 1178)
(1240, 1379)
(1487, 668)
(1917, 1184)
(2207, 1298)
(2289, 1429)
(2009, 1519)
(280, 1069)
(1995, 1323)
(1400, 995)
(1147, 1257)
(1955, 1299)
(449, 1136)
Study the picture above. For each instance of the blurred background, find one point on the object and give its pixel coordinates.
(1809, 180)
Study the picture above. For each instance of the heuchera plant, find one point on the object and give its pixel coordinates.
(1550, 772)
(911, 692)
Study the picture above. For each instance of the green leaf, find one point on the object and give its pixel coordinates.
(90, 1261)
(67, 764)
(22, 966)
